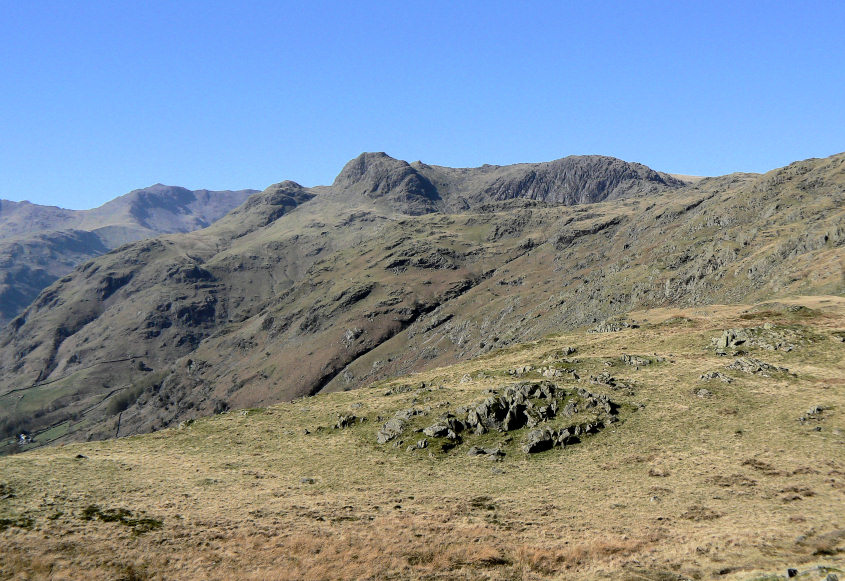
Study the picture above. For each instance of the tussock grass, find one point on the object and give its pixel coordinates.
(729, 486)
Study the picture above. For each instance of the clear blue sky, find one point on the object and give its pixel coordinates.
(102, 97)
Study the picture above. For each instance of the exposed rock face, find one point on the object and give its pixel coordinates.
(547, 438)
(568, 181)
(377, 175)
(304, 290)
(420, 188)
(392, 429)
(577, 180)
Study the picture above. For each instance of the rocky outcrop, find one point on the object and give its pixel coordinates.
(381, 177)
(347, 420)
(324, 289)
(577, 180)
(395, 426)
(544, 439)
(265, 207)
(542, 408)
(769, 337)
(638, 360)
(755, 366)
(613, 326)
(710, 375)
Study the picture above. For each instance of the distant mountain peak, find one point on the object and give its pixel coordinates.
(419, 188)
(577, 179)
(57, 239)
(379, 176)
(369, 170)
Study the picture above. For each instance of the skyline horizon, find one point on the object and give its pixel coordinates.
(329, 182)
(102, 98)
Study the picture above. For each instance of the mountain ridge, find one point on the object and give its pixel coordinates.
(39, 244)
(302, 290)
(418, 188)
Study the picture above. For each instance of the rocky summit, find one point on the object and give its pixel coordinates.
(398, 267)
(578, 369)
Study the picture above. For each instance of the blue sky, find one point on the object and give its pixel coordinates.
(99, 98)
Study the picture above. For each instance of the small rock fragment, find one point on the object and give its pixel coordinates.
(715, 375)
(390, 430)
(344, 421)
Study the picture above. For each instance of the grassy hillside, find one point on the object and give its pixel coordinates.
(738, 476)
(302, 291)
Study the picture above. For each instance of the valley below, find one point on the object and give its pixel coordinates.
(578, 369)
(723, 460)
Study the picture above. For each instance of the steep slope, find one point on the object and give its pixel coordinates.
(323, 289)
(583, 179)
(716, 465)
(18, 218)
(39, 244)
(381, 177)
(31, 263)
(419, 188)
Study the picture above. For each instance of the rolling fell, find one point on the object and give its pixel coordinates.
(397, 268)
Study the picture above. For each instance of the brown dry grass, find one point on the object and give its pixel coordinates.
(686, 487)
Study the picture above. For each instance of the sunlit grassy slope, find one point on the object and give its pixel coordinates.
(307, 290)
(699, 479)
